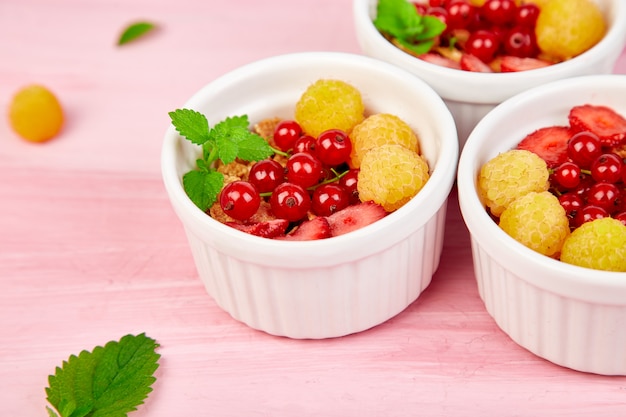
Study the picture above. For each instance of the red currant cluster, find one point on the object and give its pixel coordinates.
(314, 178)
(498, 27)
(592, 183)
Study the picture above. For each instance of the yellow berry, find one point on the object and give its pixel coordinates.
(509, 176)
(391, 175)
(329, 104)
(566, 28)
(599, 244)
(36, 114)
(538, 221)
(380, 129)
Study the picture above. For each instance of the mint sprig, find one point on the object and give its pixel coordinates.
(227, 141)
(109, 381)
(400, 20)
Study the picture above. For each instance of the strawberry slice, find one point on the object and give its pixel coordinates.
(510, 63)
(314, 229)
(354, 217)
(269, 229)
(550, 143)
(440, 60)
(471, 63)
(605, 122)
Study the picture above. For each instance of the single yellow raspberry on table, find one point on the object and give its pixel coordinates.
(36, 114)
(566, 28)
(391, 175)
(380, 129)
(598, 244)
(329, 104)
(509, 176)
(538, 221)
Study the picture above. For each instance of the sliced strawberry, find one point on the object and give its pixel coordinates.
(514, 64)
(314, 229)
(605, 122)
(471, 63)
(354, 217)
(550, 143)
(269, 229)
(440, 60)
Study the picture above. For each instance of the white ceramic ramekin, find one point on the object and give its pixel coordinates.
(572, 316)
(470, 95)
(331, 287)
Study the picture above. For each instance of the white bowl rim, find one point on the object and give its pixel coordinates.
(477, 219)
(435, 191)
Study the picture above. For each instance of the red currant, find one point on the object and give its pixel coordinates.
(304, 169)
(499, 12)
(333, 147)
(421, 8)
(290, 201)
(440, 13)
(571, 203)
(286, 133)
(349, 182)
(621, 216)
(265, 175)
(461, 14)
(240, 200)
(605, 195)
(527, 15)
(521, 42)
(483, 44)
(583, 148)
(607, 168)
(567, 175)
(589, 213)
(305, 143)
(329, 198)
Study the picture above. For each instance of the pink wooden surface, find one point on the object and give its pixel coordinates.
(90, 249)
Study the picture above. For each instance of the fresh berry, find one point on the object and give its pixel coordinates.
(567, 175)
(510, 175)
(571, 203)
(510, 63)
(471, 63)
(589, 213)
(286, 133)
(483, 44)
(604, 195)
(499, 12)
(390, 175)
(349, 182)
(305, 143)
(265, 175)
(290, 201)
(538, 221)
(313, 229)
(607, 168)
(304, 169)
(355, 217)
(239, 200)
(606, 123)
(328, 199)
(333, 147)
(583, 148)
(520, 42)
(329, 104)
(380, 129)
(599, 244)
(35, 114)
(550, 143)
(527, 15)
(268, 229)
(461, 14)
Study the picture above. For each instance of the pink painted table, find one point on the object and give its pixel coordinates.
(90, 248)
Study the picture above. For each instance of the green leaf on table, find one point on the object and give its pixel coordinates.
(109, 381)
(135, 31)
(400, 20)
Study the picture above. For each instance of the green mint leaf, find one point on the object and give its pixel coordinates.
(254, 148)
(418, 48)
(202, 187)
(135, 31)
(433, 27)
(109, 381)
(234, 139)
(191, 124)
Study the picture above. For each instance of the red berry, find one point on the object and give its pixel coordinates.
(286, 133)
(240, 200)
(438, 12)
(290, 202)
(483, 44)
(521, 42)
(499, 12)
(583, 148)
(461, 14)
(605, 195)
(305, 143)
(567, 175)
(265, 175)
(571, 203)
(421, 8)
(304, 169)
(589, 213)
(527, 15)
(333, 147)
(621, 216)
(607, 168)
(329, 198)
(349, 182)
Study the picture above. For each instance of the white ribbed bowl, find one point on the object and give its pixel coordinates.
(471, 95)
(336, 286)
(572, 316)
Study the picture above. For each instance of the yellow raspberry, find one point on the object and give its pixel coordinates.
(598, 244)
(509, 176)
(35, 114)
(380, 129)
(538, 221)
(566, 28)
(329, 104)
(391, 175)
